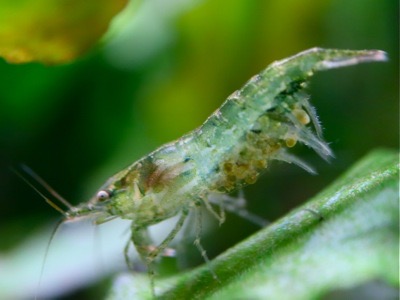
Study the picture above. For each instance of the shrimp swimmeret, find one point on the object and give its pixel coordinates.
(255, 125)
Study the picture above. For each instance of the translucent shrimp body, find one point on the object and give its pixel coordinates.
(254, 126)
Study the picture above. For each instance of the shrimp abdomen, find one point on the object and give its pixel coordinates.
(266, 116)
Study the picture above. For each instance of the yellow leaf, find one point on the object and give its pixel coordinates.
(52, 31)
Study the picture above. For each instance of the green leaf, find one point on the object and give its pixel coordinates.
(52, 31)
(345, 236)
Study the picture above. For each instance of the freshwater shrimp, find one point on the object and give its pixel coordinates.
(231, 149)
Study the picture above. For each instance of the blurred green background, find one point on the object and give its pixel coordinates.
(163, 67)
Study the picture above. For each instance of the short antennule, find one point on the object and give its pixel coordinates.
(46, 186)
(27, 170)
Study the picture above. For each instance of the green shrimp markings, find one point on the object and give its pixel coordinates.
(254, 126)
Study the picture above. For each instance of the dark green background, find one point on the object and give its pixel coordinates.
(79, 123)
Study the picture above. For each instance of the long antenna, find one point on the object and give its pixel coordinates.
(53, 233)
(51, 203)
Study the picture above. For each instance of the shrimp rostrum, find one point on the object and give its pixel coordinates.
(254, 126)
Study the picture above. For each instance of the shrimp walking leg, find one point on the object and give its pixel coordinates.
(197, 243)
(219, 216)
(237, 205)
(142, 241)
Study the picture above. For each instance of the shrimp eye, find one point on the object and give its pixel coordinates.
(102, 196)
